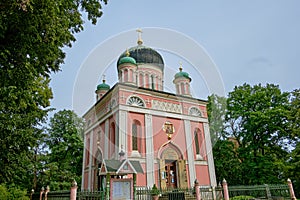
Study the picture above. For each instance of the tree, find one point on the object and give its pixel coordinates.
(294, 159)
(65, 142)
(32, 37)
(227, 163)
(216, 109)
(258, 118)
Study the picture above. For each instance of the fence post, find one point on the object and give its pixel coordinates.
(197, 190)
(292, 193)
(225, 189)
(32, 191)
(41, 193)
(73, 191)
(268, 192)
(46, 192)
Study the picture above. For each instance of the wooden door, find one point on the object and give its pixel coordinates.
(171, 175)
(182, 176)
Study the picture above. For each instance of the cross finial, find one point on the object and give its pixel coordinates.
(103, 78)
(140, 41)
(180, 66)
(127, 53)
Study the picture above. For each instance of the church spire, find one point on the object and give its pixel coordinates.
(140, 41)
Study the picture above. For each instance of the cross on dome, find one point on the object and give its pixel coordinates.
(140, 41)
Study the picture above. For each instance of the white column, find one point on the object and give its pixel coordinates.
(83, 163)
(209, 154)
(190, 154)
(117, 145)
(123, 130)
(149, 150)
(91, 160)
(106, 139)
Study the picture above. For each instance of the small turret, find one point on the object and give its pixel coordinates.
(102, 89)
(182, 82)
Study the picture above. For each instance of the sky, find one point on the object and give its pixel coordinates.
(245, 41)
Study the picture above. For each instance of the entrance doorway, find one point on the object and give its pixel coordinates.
(171, 175)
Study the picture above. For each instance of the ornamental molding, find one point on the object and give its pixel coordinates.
(166, 106)
(135, 101)
(194, 111)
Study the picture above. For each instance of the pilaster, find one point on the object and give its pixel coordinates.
(122, 123)
(190, 154)
(209, 154)
(149, 150)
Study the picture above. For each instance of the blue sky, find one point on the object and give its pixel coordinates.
(249, 41)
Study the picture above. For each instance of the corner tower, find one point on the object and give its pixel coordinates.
(182, 82)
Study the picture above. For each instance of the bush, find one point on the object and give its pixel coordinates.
(242, 198)
(154, 190)
(12, 193)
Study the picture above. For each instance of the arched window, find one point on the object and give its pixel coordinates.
(126, 75)
(141, 80)
(182, 88)
(112, 139)
(136, 136)
(198, 140)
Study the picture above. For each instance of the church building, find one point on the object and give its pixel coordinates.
(166, 133)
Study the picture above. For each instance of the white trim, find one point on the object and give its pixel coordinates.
(117, 137)
(123, 130)
(90, 161)
(83, 163)
(149, 150)
(210, 158)
(201, 162)
(162, 113)
(144, 111)
(106, 138)
(190, 154)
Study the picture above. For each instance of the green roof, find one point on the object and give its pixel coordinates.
(103, 86)
(127, 59)
(182, 74)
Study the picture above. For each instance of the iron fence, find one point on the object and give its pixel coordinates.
(53, 195)
(278, 192)
(85, 195)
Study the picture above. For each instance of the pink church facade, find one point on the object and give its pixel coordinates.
(167, 133)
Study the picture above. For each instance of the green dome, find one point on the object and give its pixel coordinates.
(127, 59)
(103, 86)
(182, 74)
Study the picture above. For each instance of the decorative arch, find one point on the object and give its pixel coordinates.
(198, 142)
(194, 111)
(135, 101)
(170, 151)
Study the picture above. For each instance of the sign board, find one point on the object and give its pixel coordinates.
(121, 189)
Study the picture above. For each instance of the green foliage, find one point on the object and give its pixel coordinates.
(227, 163)
(258, 120)
(65, 143)
(32, 37)
(12, 193)
(242, 198)
(216, 109)
(259, 139)
(155, 191)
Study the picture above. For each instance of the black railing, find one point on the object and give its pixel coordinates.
(260, 191)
